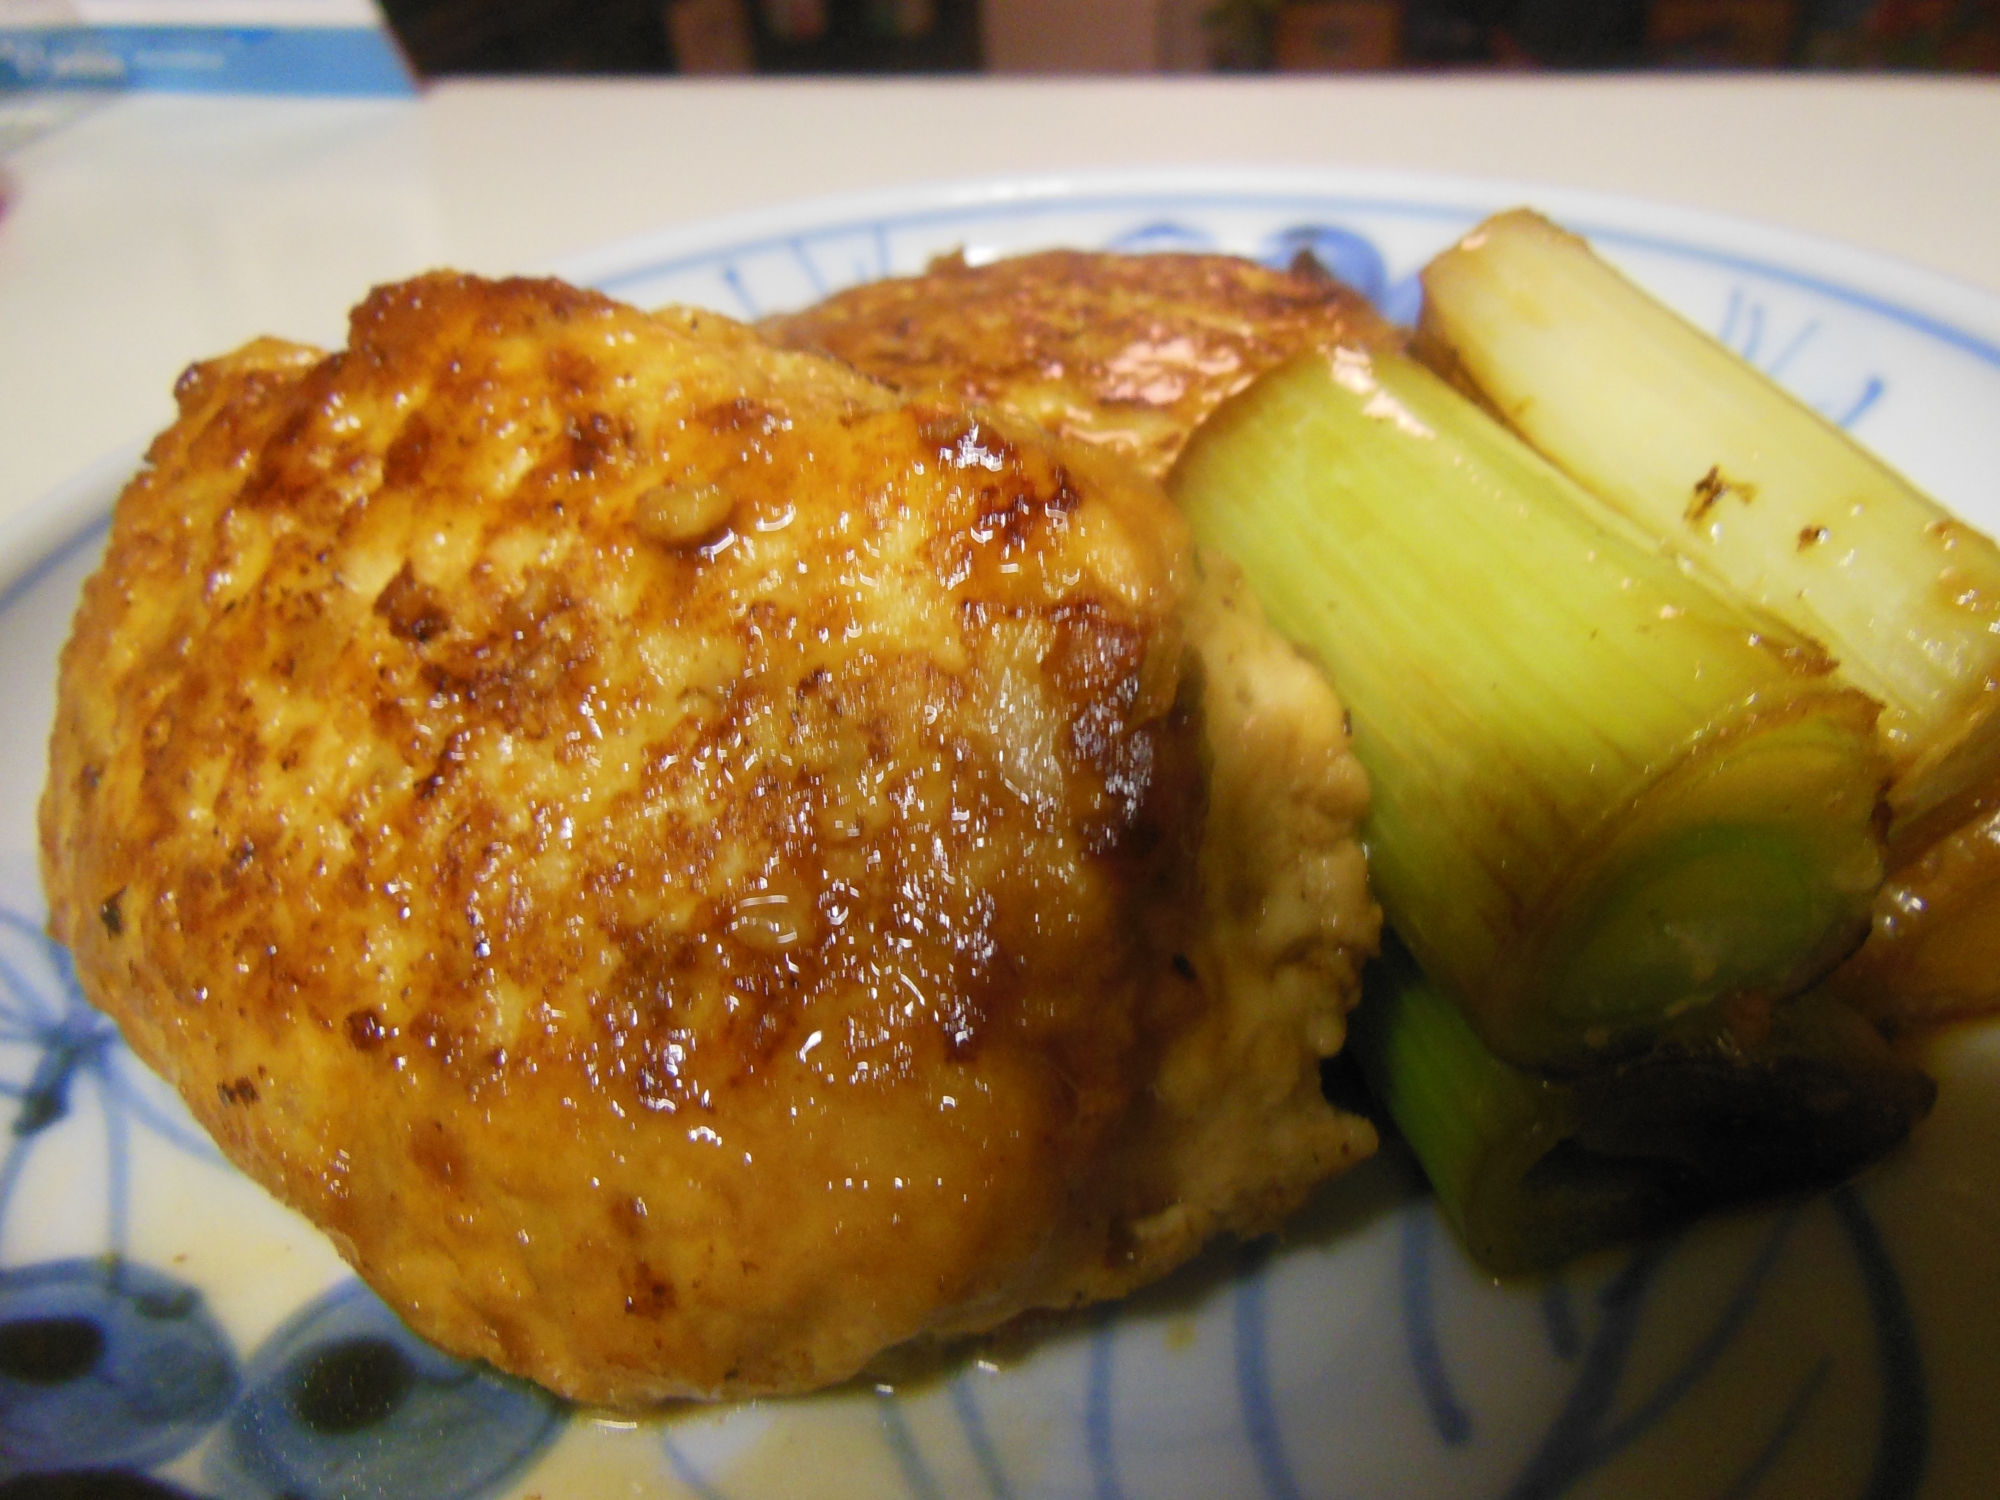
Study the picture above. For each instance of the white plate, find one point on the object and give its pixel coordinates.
(1848, 1345)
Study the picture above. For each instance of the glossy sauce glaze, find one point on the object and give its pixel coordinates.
(684, 863)
(1124, 352)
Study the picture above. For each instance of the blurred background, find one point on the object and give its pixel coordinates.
(448, 37)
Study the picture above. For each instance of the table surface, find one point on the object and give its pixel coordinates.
(153, 229)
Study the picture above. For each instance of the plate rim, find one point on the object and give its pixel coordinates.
(1873, 279)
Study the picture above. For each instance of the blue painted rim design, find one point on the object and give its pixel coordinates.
(1467, 210)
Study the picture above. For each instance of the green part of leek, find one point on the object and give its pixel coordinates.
(1531, 1171)
(1707, 454)
(1603, 795)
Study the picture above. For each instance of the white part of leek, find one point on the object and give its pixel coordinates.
(1708, 455)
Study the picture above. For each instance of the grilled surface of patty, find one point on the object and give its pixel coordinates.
(690, 867)
(1125, 352)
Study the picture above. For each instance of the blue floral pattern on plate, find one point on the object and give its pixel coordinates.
(103, 1362)
(110, 1368)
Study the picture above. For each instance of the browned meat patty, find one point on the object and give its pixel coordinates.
(690, 867)
(1125, 352)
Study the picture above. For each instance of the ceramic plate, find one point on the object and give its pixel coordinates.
(161, 1319)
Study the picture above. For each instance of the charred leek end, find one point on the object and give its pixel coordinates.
(1708, 455)
(1602, 795)
(1933, 950)
(1532, 1171)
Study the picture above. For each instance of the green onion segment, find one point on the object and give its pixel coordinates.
(1605, 797)
(1531, 1170)
(1707, 455)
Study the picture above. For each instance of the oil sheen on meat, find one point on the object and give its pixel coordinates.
(1125, 352)
(691, 867)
